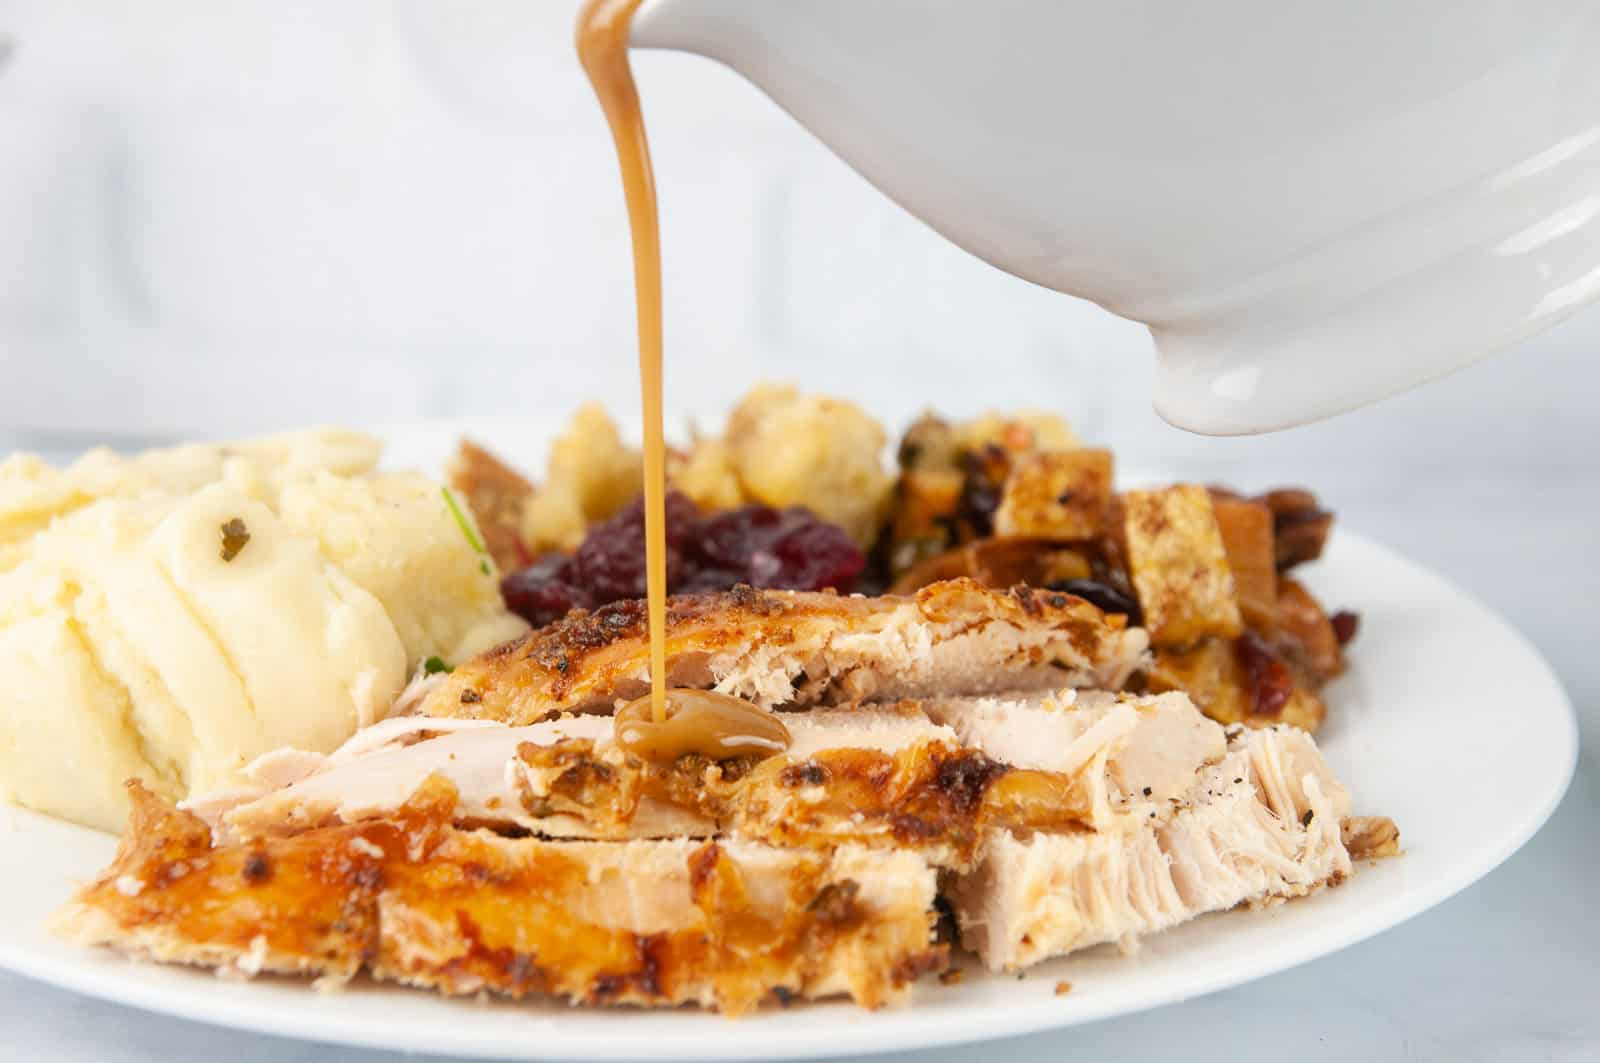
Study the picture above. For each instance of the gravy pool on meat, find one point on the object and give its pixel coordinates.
(700, 721)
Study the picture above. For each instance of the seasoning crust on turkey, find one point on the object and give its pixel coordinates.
(793, 649)
(411, 899)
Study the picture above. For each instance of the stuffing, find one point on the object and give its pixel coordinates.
(591, 475)
(825, 454)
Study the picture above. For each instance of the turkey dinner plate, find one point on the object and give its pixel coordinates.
(1417, 729)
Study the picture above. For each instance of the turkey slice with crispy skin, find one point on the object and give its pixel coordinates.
(793, 648)
(1267, 821)
(1136, 753)
(412, 899)
(881, 776)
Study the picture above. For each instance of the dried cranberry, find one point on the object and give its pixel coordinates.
(610, 562)
(683, 518)
(544, 591)
(811, 554)
(1345, 625)
(726, 540)
(612, 566)
(758, 545)
(1101, 595)
(765, 547)
(1268, 679)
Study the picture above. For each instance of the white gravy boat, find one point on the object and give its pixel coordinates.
(1312, 205)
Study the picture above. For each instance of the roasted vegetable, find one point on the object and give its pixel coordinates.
(1247, 538)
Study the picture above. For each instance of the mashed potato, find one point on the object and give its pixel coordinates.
(133, 646)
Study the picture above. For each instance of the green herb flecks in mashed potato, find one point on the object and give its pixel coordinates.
(174, 614)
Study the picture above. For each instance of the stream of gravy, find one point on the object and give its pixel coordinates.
(669, 724)
(603, 50)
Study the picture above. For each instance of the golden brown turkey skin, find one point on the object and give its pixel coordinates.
(797, 648)
(412, 899)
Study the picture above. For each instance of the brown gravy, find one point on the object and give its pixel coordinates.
(702, 722)
(603, 50)
(667, 724)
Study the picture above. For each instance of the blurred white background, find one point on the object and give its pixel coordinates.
(225, 217)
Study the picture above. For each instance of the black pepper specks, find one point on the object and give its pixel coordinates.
(257, 869)
(470, 697)
(807, 773)
(234, 537)
(1305, 820)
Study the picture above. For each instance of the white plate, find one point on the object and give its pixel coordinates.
(1448, 721)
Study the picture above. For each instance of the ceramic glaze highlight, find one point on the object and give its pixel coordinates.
(1311, 208)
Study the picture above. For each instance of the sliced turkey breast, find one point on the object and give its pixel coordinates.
(883, 776)
(561, 778)
(411, 899)
(482, 765)
(1263, 822)
(1135, 754)
(792, 648)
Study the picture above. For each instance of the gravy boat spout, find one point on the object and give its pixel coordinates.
(1311, 206)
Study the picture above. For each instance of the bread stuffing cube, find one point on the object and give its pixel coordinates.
(591, 475)
(1018, 432)
(603, 471)
(706, 475)
(1179, 565)
(1056, 494)
(1247, 538)
(826, 454)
